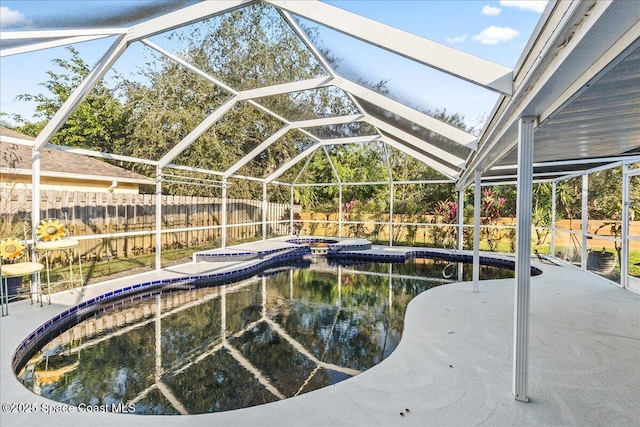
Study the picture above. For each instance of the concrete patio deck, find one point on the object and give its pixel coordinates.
(452, 367)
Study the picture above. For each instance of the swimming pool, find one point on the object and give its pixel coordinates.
(203, 349)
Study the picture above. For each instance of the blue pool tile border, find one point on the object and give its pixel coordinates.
(269, 258)
(43, 333)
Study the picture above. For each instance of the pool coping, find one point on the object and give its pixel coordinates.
(287, 412)
(346, 249)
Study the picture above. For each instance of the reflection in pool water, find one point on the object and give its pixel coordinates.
(211, 349)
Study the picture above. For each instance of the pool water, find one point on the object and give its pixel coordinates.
(208, 349)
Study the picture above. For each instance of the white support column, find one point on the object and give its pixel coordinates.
(158, 234)
(339, 180)
(554, 194)
(523, 258)
(585, 220)
(624, 235)
(340, 203)
(223, 213)
(460, 220)
(35, 185)
(387, 160)
(35, 212)
(264, 211)
(392, 197)
(291, 230)
(477, 205)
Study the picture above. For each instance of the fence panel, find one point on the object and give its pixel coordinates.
(90, 214)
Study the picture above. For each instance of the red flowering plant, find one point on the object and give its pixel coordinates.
(446, 212)
(491, 210)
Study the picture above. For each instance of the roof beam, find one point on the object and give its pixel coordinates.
(328, 121)
(309, 158)
(77, 176)
(573, 162)
(459, 64)
(100, 154)
(280, 89)
(188, 65)
(259, 149)
(415, 142)
(445, 170)
(60, 34)
(282, 169)
(49, 44)
(438, 126)
(192, 169)
(81, 92)
(333, 167)
(185, 16)
(305, 39)
(352, 140)
(17, 141)
(198, 131)
(282, 131)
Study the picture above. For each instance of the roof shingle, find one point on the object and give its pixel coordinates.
(17, 156)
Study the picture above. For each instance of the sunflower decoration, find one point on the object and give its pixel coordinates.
(11, 249)
(50, 230)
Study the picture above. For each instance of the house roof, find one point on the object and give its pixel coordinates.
(15, 155)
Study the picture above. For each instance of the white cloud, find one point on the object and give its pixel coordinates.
(530, 5)
(12, 18)
(495, 35)
(491, 11)
(458, 39)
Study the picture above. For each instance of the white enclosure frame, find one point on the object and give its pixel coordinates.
(551, 76)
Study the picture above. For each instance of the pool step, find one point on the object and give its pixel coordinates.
(243, 254)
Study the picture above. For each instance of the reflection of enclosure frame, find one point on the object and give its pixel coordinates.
(222, 342)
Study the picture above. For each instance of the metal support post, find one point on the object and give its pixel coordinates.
(340, 209)
(554, 193)
(35, 217)
(460, 220)
(391, 202)
(624, 234)
(585, 220)
(477, 199)
(523, 258)
(291, 230)
(223, 213)
(264, 211)
(158, 234)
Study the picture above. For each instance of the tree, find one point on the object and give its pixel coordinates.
(98, 123)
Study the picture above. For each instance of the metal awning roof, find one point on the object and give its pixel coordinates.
(579, 76)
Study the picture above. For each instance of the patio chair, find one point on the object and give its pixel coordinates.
(52, 235)
(14, 264)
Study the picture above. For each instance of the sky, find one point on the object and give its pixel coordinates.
(494, 30)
